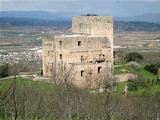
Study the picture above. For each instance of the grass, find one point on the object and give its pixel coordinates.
(20, 82)
(44, 86)
(123, 68)
(150, 90)
(147, 74)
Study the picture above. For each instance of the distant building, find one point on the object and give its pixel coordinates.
(89, 49)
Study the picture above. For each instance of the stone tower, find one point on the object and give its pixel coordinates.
(95, 26)
(89, 48)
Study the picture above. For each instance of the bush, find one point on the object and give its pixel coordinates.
(145, 93)
(132, 85)
(4, 70)
(157, 81)
(140, 82)
(158, 65)
(157, 93)
(133, 57)
(152, 68)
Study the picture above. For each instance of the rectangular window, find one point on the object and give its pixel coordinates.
(79, 43)
(82, 72)
(60, 56)
(82, 58)
(60, 43)
(99, 69)
(114, 54)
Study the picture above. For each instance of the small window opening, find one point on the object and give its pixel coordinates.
(103, 57)
(99, 69)
(79, 43)
(60, 56)
(90, 72)
(60, 43)
(82, 72)
(82, 58)
(114, 54)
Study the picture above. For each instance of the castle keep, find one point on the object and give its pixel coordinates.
(88, 49)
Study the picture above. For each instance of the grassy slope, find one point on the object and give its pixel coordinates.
(20, 82)
(151, 90)
(44, 86)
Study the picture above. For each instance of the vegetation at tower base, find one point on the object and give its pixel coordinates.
(22, 99)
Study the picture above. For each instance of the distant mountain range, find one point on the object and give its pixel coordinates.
(136, 26)
(154, 18)
(42, 18)
(17, 21)
(44, 15)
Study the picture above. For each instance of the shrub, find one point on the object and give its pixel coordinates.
(134, 56)
(140, 82)
(152, 68)
(157, 81)
(158, 65)
(132, 85)
(145, 93)
(4, 70)
(157, 93)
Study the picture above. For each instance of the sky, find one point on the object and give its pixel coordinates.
(119, 8)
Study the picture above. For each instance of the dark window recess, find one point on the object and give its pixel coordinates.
(79, 43)
(82, 58)
(101, 58)
(114, 54)
(90, 72)
(82, 72)
(60, 56)
(60, 43)
(99, 69)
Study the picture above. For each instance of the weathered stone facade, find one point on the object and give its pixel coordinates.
(89, 49)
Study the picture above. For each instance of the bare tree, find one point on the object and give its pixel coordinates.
(62, 73)
(105, 80)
